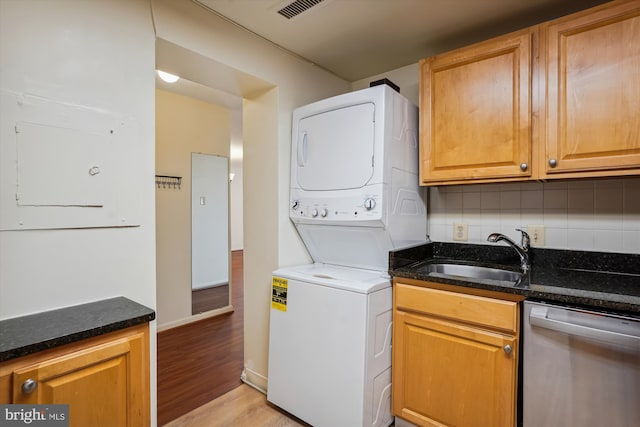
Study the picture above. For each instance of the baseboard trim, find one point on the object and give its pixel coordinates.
(255, 380)
(194, 318)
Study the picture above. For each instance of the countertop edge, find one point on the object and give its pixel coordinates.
(600, 281)
(117, 314)
(604, 302)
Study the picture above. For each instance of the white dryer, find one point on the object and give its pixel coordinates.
(354, 197)
(354, 178)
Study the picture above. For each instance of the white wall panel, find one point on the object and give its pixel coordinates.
(93, 56)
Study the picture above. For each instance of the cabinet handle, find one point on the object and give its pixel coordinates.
(507, 349)
(553, 163)
(29, 386)
(524, 167)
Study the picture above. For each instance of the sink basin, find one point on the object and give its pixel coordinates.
(473, 272)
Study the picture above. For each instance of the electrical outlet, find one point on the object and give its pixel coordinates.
(460, 231)
(536, 234)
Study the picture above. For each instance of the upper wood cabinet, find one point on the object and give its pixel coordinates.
(475, 111)
(593, 92)
(558, 100)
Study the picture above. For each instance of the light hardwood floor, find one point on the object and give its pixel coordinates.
(241, 407)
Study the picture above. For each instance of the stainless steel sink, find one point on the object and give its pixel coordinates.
(473, 272)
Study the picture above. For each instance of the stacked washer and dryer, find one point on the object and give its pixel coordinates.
(354, 197)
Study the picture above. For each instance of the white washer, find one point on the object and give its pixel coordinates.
(330, 345)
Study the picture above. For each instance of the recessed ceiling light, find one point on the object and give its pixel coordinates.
(167, 77)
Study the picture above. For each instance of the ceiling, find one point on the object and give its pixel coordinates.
(355, 39)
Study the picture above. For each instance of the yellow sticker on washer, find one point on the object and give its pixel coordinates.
(279, 287)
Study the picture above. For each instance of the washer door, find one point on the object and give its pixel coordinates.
(334, 149)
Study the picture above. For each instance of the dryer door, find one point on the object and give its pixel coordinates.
(334, 149)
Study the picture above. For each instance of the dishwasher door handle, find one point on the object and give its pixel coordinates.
(539, 317)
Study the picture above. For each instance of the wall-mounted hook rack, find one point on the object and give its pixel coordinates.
(167, 181)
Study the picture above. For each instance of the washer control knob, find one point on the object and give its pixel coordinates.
(314, 213)
(324, 213)
(295, 205)
(369, 204)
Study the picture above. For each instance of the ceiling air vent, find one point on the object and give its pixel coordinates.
(297, 7)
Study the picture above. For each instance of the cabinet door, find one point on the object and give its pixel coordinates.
(104, 385)
(593, 92)
(448, 374)
(475, 111)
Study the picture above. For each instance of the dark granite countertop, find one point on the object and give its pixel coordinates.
(25, 335)
(594, 280)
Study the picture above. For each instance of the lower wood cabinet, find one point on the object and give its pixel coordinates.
(455, 357)
(104, 380)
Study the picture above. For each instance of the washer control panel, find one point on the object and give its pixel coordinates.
(336, 209)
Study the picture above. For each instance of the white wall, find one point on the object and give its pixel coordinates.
(96, 55)
(270, 240)
(236, 205)
(236, 185)
(406, 78)
(595, 215)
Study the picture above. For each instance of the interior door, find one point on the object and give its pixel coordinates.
(334, 149)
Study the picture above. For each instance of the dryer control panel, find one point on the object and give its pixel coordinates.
(337, 210)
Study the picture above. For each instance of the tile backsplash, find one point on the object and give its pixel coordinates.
(592, 215)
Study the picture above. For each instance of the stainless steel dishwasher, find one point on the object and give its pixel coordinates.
(580, 368)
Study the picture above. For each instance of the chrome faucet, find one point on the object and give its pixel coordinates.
(522, 249)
